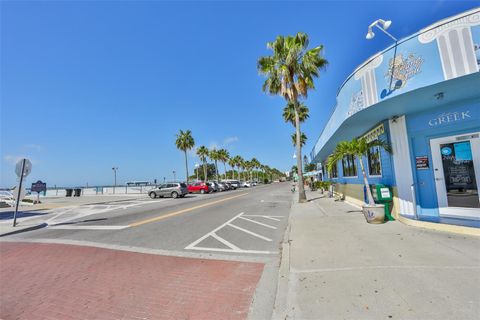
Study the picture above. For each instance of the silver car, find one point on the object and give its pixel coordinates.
(173, 190)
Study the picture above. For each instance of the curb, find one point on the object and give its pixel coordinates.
(281, 296)
(39, 226)
(440, 227)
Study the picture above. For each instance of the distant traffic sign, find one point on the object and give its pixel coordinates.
(26, 170)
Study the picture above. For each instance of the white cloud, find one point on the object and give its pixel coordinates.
(229, 140)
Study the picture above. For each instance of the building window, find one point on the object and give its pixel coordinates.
(334, 171)
(349, 166)
(374, 164)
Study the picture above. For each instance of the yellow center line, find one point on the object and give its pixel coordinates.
(171, 214)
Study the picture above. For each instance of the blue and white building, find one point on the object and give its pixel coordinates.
(422, 95)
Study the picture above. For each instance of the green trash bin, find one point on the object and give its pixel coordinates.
(384, 195)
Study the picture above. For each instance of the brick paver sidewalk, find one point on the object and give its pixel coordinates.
(55, 281)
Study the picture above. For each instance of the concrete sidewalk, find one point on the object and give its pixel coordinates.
(337, 266)
(33, 217)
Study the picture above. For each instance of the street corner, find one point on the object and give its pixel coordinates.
(57, 281)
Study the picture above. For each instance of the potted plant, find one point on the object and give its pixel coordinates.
(358, 147)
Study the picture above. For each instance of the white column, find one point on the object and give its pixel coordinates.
(402, 164)
(366, 74)
(455, 45)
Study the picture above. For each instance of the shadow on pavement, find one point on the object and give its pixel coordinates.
(9, 214)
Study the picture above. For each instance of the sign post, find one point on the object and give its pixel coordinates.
(22, 169)
(38, 187)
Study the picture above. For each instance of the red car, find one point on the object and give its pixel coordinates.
(201, 187)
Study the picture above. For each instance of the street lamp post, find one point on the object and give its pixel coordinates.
(174, 176)
(383, 26)
(115, 169)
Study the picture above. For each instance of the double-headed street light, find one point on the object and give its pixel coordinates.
(383, 26)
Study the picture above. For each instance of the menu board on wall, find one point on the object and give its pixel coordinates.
(421, 162)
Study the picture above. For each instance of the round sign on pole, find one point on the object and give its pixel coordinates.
(26, 170)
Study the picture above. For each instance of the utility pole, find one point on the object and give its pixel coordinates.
(115, 169)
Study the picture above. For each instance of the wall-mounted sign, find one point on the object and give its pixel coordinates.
(449, 117)
(421, 163)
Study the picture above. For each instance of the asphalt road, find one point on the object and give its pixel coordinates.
(243, 225)
(246, 221)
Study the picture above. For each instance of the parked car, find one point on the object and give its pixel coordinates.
(173, 190)
(200, 187)
(245, 184)
(213, 185)
(234, 183)
(230, 185)
(222, 186)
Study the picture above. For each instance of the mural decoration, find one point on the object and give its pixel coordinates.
(400, 70)
(356, 104)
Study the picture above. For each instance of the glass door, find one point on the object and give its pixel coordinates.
(456, 166)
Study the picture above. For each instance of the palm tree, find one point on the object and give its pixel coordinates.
(303, 139)
(185, 142)
(290, 71)
(239, 161)
(289, 113)
(359, 149)
(215, 156)
(224, 156)
(249, 167)
(232, 163)
(243, 165)
(255, 164)
(202, 153)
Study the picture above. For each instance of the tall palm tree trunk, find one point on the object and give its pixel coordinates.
(301, 190)
(225, 169)
(216, 169)
(186, 166)
(365, 180)
(205, 171)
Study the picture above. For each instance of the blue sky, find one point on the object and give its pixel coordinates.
(90, 85)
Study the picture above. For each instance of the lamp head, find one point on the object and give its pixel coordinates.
(387, 24)
(370, 34)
